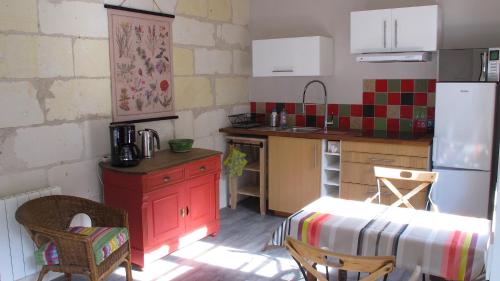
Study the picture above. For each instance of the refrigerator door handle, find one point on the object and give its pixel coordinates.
(434, 150)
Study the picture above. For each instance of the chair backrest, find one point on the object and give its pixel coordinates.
(422, 179)
(53, 212)
(307, 257)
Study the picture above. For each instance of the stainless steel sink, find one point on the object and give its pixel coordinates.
(302, 129)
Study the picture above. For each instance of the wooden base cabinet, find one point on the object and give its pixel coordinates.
(358, 177)
(294, 173)
(167, 208)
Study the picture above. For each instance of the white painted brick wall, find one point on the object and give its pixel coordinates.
(19, 105)
(212, 61)
(73, 18)
(45, 145)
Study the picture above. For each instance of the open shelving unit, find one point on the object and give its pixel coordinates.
(253, 182)
(330, 175)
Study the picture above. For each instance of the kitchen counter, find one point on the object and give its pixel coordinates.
(331, 134)
(162, 160)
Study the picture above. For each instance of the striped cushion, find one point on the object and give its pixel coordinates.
(105, 240)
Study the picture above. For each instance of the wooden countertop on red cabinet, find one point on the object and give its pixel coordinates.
(167, 207)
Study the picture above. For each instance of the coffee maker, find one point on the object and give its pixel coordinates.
(124, 152)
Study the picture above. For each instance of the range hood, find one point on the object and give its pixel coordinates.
(395, 57)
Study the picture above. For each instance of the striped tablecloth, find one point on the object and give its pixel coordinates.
(449, 246)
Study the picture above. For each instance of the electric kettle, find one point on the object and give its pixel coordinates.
(147, 139)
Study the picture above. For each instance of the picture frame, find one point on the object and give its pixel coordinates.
(141, 65)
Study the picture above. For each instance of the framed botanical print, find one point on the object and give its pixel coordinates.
(140, 48)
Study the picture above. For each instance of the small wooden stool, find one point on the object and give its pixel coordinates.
(259, 166)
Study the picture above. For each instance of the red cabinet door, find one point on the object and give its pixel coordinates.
(201, 202)
(165, 219)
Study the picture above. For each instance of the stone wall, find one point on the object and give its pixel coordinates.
(55, 103)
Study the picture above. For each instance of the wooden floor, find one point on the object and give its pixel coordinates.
(235, 254)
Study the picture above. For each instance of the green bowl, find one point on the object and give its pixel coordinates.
(180, 145)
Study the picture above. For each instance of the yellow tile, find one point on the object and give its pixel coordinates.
(192, 7)
(183, 61)
(219, 10)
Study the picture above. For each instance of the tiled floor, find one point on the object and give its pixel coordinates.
(235, 254)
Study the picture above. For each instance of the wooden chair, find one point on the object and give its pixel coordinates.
(422, 178)
(47, 219)
(308, 257)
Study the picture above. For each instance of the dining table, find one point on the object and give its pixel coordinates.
(448, 246)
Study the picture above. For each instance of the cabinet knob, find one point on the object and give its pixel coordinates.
(203, 168)
(166, 179)
(182, 213)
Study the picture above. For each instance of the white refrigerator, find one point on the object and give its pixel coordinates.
(463, 147)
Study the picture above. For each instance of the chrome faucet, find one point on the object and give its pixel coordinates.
(325, 126)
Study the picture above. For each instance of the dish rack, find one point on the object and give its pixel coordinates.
(246, 120)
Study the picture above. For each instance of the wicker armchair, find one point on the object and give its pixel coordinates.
(48, 218)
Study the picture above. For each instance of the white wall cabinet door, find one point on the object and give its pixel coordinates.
(371, 31)
(299, 56)
(415, 29)
(409, 29)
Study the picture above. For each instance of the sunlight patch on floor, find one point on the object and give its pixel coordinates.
(158, 270)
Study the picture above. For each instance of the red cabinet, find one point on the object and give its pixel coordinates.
(167, 207)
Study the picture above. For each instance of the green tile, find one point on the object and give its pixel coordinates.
(405, 125)
(368, 85)
(419, 112)
(380, 134)
(356, 123)
(393, 111)
(421, 85)
(344, 110)
(335, 121)
(431, 99)
(394, 85)
(381, 98)
(299, 109)
(380, 124)
(320, 109)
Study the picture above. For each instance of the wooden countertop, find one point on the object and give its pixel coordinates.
(163, 159)
(351, 135)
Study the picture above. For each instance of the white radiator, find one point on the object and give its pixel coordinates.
(17, 258)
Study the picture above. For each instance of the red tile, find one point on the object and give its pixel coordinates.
(431, 113)
(300, 120)
(270, 106)
(344, 122)
(368, 123)
(393, 125)
(431, 86)
(253, 107)
(333, 109)
(381, 111)
(290, 108)
(420, 99)
(320, 121)
(368, 98)
(407, 86)
(356, 110)
(406, 111)
(394, 99)
(310, 109)
(380, 85)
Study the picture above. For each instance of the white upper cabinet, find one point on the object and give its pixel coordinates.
(370, 31)
(395, 30)
(298, 56)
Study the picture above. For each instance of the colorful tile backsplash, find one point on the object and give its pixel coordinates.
(388, 105)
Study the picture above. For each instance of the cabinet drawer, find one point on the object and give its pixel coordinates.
(386, 160)
(361, 192)
(384, 148)
(361, 173)
(202, 167)
(160, 179)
